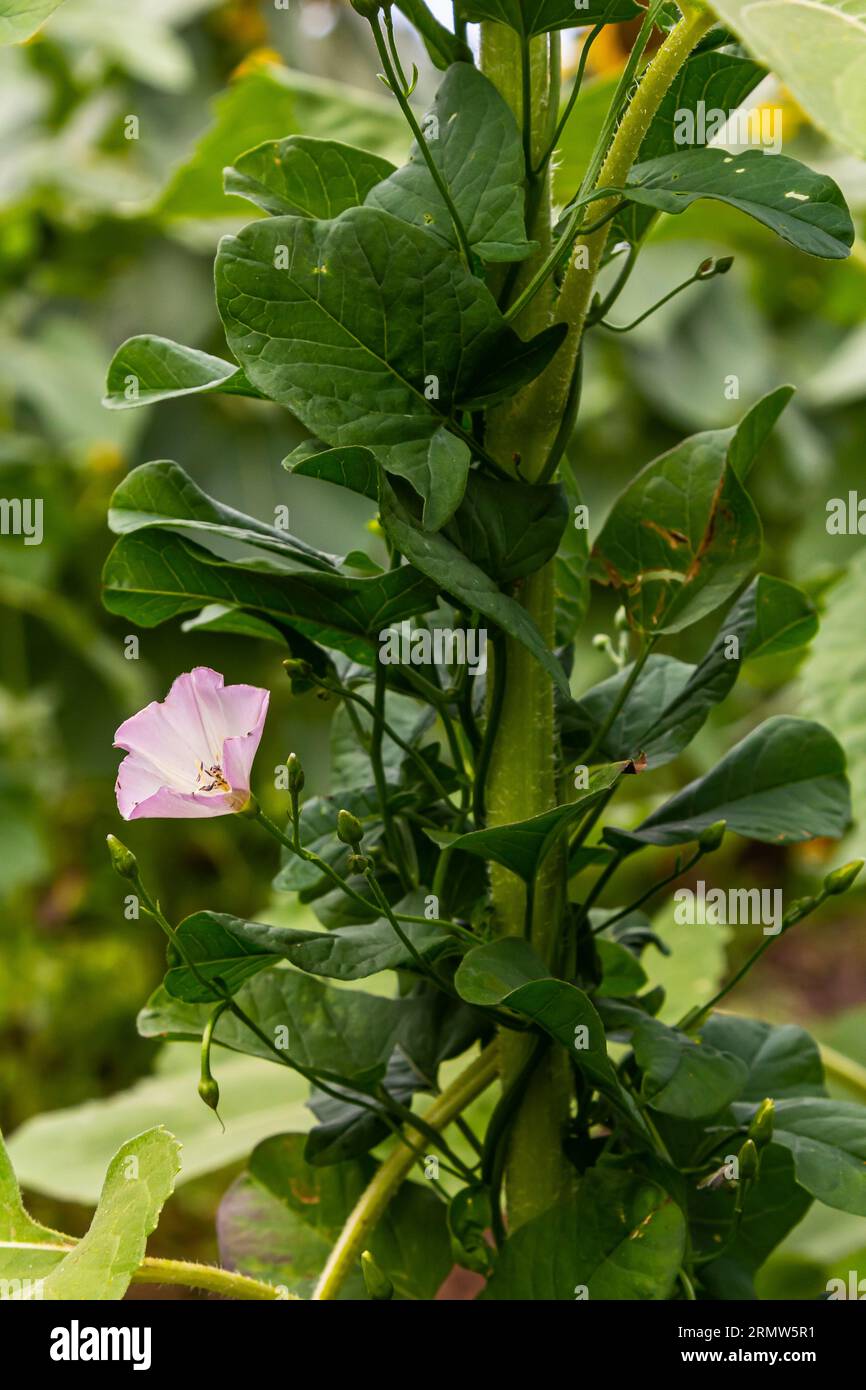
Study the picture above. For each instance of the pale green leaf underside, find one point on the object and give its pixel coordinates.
(818, 49)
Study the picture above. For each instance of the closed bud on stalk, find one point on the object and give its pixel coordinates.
(349, 829)
(300, 673)
(748, 1160)
(761, 1128)
(209, 1091)
(799, 909)
(123, 861)
(379, 1286)
(711, 838)
(841, 879)
(296, 774)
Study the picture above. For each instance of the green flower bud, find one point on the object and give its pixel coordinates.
(349, 829)
(800, 908)
(368, 8)
(209, 1091)
(379, 1286)
(711, 838)
(296, 774)
(841, 879)
(761, 1128)
(748, 1159)
(123, 861)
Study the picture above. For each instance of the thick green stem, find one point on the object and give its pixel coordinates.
(550, 393)
(520, 435)
(355, 1234)
(521, 779)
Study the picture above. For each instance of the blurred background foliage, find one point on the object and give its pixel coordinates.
(116, 120)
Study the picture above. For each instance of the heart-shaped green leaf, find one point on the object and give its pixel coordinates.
(623, 1238)
(803, 208)
(474, 142)
(305, 177)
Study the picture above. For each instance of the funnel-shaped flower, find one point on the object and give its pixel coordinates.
(191, 754)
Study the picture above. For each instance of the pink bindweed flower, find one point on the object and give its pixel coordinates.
(191, 754)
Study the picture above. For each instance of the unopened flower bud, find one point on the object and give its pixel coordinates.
(748, 1161)
(296, 774)
(349, 829)
(711, 838)
(761, 1128)
(123, 861)
(378, 1285)
(841, 879)
(209, 1091)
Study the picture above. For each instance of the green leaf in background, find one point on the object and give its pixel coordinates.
(622, 1238)
(344, 1034)
(783, 1060)
(306, 177)
(783, 783)
(622, 972)
(140, 1178)
(161, 494)
(670, 701)
(342, 320)
(803, 208)
(147, 369)
(473, 138)
(20, 1234)
(346, 1129)
(318, 831)
(818, 49)
(832, 679)
(508, 973)
(748, 437)
(351, 467)
(100, 1266)
(255, 1101)
(508, 529)
(21, 18)
(774, 1204)
(519, 363)
(523, 845)
(443, 46)
(152, 576)
(436, 557)
(681, 539)
(541, 16)
(269, 102)
(217, 948)
(280, 1219)
(235, 950)
(684, 1077)
(827, 1140)
(721, 81)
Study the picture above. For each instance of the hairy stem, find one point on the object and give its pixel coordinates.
(550, 392)
(521, 779)
(355, 1234)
